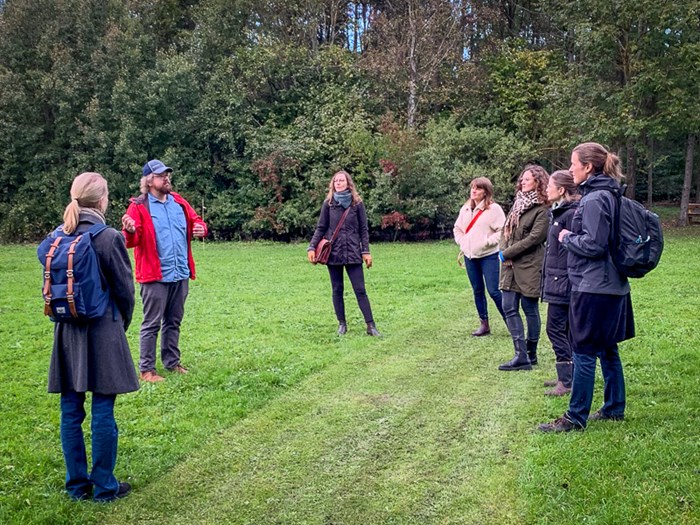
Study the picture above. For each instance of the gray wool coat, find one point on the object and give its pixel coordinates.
(94, 356)
(525, 248)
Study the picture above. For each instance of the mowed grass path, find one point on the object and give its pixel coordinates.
(282, 422)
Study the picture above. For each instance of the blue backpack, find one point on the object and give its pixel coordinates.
(74, 287)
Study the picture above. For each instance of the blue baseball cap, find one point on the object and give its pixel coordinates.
(155, 166)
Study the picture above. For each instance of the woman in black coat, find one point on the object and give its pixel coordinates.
(93, 355)
(600, 309)
(556, 288)
(350, 247)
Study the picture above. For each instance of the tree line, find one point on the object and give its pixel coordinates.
(256, 103)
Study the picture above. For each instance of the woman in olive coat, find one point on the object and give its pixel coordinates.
(350, 247)
(93, 355)
(522, 251)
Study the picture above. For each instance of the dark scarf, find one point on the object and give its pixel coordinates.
(523, 202)
(344, 198)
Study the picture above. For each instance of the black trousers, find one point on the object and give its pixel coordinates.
(357, 279)
(558, 331)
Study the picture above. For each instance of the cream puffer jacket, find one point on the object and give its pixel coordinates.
(483, 238)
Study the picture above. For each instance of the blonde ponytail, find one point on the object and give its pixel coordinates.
(87, 191)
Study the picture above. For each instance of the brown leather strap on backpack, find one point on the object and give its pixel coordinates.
(69, 274)
(47, 276)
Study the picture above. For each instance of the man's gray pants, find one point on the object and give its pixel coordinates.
(163, 310)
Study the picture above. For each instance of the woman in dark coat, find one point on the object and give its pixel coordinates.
(521, 255)
(600, 311)
(556, 289)
(93, 355)
(350, 247)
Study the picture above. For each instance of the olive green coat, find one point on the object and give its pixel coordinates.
(525, 249)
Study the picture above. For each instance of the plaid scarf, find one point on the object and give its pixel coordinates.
(523, 202)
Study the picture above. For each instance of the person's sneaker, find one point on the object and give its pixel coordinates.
(561, 424)
(122, 492)
(151, 377)
(599, 416)
(179, 369)
(82, 496)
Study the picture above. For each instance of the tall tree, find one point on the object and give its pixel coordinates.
(410, 44)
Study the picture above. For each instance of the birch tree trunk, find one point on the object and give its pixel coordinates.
(687, 179)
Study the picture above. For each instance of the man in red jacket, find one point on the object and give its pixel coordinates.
(159, 224)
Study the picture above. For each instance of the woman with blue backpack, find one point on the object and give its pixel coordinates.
(600, 310)
(91, 354)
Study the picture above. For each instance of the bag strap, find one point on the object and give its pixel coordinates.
(340, 225)
(460, 255)
(473, 221)
(47, 276)
(69, 274)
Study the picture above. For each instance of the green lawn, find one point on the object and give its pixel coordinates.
(282, 422)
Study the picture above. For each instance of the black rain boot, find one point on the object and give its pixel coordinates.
(372, 330)
(532, 352)
(484, 329)
(520, 361)
(342, 328)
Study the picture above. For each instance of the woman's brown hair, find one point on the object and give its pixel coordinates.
(351, 186)
(564, 179)
(541, 177)
(87, 191)
(600, 158)
(484, 184)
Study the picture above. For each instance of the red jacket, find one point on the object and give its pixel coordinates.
(143, 240)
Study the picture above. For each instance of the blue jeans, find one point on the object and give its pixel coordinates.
(104, 446)
(480, 270)
(584, 381)
(511, 307)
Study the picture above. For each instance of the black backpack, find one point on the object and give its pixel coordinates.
(638, 239)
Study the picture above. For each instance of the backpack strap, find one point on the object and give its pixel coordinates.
(96, 229)
(47, 276)
(69, 274)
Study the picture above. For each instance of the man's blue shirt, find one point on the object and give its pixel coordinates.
(171, 238)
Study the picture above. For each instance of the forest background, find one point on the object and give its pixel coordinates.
(255, 103)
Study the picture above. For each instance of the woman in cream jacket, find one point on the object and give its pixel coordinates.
(477, 231)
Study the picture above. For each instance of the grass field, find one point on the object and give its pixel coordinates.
(282, 422)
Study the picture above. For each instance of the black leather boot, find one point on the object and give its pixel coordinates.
(520, 361)
(532, 352)
(342, 328)
(372, 330)
(484, 329)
